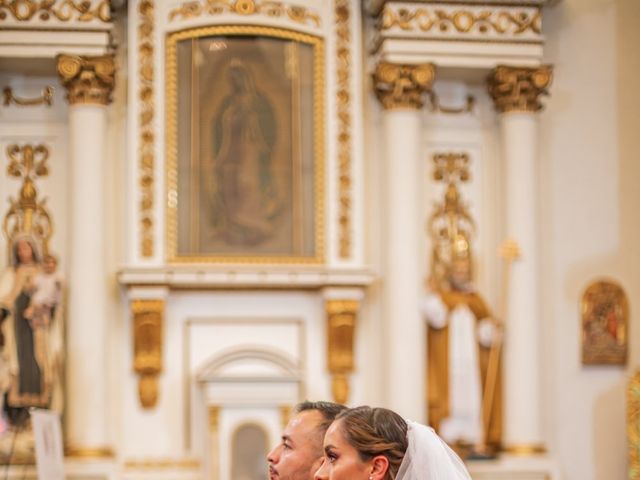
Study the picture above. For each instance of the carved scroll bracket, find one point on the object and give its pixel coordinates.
(148, 322)
(341, 314)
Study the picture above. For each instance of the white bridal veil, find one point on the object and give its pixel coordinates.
(429, 458)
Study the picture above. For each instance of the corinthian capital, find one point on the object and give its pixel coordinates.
(402, 86)
(87, 79)
(518, 89)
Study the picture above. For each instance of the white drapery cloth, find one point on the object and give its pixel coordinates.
(428, 457)
(464, 422)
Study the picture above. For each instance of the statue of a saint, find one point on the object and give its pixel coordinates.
(30, 296)
(463, 408)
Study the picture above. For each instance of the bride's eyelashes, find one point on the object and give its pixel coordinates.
(330, 454)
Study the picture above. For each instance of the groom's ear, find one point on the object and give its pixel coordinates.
(379, 467)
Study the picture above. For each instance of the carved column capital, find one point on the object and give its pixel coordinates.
(402, 86)
(518, 89)
(87, 79)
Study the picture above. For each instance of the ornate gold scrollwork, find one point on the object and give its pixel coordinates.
(146, 122)
(147, 347)
(402, 86)
(519, 88)
(341, 323)
(343, 97)
(451, 219)
(462, 21)
(65, 10)
(27, 214)
(45, 99)
(87, 79)
(195, 8)
(162, 464)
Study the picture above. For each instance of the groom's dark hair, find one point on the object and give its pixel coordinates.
(328, 410)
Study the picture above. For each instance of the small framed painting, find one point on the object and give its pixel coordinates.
(605, 323)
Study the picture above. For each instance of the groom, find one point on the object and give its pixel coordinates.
(300, 454)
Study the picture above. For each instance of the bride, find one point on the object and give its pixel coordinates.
(367, 443)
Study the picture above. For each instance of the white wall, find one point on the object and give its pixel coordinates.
(589, 226)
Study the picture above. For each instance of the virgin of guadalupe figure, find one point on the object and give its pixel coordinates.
(27, 343)
(241, 180)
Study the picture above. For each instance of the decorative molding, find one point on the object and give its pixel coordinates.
(402, 86)
(518, 89)
(344, 122)
(45, 99)
(88, 80)
(146, 148)
(147, 347)
(196, 8)
(162, 464)
(633, 425)
(27, 214)
(341, 323)
(525, 449)
(65, 10)
(240, 276)
(452, 19)
(82, 452)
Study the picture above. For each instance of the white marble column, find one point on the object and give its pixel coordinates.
(89, 82)
(516, 93)
(401, 88)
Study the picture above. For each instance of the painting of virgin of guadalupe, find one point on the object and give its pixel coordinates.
(239, 175)
(246, 149)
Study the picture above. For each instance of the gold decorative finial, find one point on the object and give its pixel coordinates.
(87, 79)
(402, 86)
(27, 214)
(518, 89)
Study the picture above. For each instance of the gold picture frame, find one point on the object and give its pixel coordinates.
(605, 323)
(245, 146)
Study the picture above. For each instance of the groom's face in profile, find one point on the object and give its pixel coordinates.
(299, 454)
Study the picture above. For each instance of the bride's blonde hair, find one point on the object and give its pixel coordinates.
(376, 431)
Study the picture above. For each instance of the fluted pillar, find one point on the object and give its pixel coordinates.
(89, 82)
(516, 93)
(401, 89)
